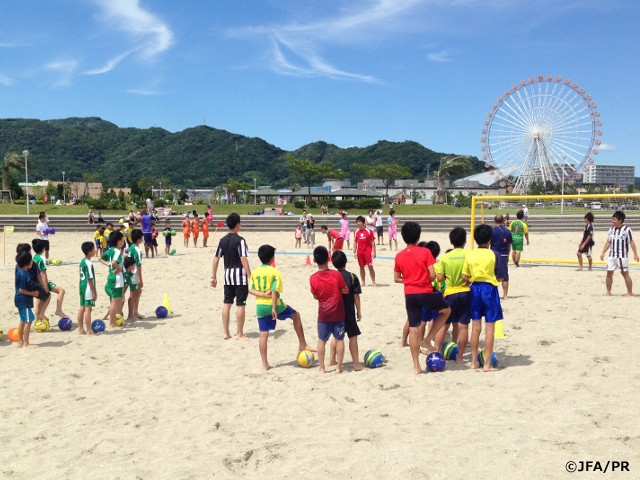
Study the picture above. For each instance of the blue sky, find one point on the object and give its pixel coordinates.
(294, 72)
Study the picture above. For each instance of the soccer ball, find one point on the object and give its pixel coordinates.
(162, 312)
(435, 362)
(172, 251)
(449, 350)
(97, 326)
(305, 358)
(65, 323)
(13, 334)
(42, 325)
(373, 358)
(1, 333)
(119, 319)
(494, 359)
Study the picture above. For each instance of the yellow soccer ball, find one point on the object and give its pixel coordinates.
(1, 333)
(305, 358)
(42, 325)
(119, 319)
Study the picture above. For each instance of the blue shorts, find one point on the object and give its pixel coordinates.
(147, 238)
(414, 302)
(267, 323)
(502, 268)
(326, 329)
(485, 302)
(460, 309)
(26, 315)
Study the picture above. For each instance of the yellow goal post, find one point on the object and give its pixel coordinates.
(555, 214)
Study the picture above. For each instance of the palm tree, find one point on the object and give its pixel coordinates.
(11, 161)
(450, 166)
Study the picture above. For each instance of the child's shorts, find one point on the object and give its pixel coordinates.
(326, 329)
(112, 291)
(87, 303)
(414, 302)
(26, 315)
(365, 259)
(267, 323)
(460, 308)
(134, 287)
(97, 242)
(167, 241)
(485, 302)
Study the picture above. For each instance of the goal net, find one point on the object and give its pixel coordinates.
(556, 222)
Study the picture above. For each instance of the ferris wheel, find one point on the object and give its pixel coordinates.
(544, 129)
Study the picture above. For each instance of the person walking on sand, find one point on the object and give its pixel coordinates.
(233, 248)
(620, 239)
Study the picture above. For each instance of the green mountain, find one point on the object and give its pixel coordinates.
(199, 157)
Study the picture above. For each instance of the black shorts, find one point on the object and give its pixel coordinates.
(351, 327)
(502, 268)
(586, 250)
(46, 245)
(239, 292)
(380, 230)
(415, 301)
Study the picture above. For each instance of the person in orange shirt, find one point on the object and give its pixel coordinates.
(186, 230)
(205, 231)
(195, 229)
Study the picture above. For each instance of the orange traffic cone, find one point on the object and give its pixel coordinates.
(308, 262)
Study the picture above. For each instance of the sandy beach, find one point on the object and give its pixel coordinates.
(169, 398)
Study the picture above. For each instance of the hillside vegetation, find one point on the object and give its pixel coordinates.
(199, 157)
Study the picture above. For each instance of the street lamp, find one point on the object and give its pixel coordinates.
(255, 191)
(64, 194)
(25, 154)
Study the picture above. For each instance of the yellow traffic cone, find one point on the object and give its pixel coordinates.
(166, 304)
(499, 330)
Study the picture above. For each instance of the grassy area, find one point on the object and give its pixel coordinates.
(10, 209)
(242, 209)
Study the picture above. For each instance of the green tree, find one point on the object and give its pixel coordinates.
(12, 161)
(388, 173)
(449, 167)
(311, 172)
(87, 178)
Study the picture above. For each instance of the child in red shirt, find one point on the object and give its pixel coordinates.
(364, 249)
(414, 267)
(328, 286)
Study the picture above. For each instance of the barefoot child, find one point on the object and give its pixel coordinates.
(456, 293)
(266, 285)
(484, 300)
(364, 249)
(328, 286)
(352, 313)
(136, 283)
(392, 221)
(336, 240)
(39, 248)
(298, 236)
(88, 293)
(195, 229)
(205, 231)
(186, 230)
(167, 233)
(414, 267)
(587, 241)
(26, 290)
(114, 287)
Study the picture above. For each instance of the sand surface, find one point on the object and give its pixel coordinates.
(171, 399)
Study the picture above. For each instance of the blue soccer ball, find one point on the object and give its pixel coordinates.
(65, 323)
(435, 362)
(162, 312)
(373, 358)
(97, 326)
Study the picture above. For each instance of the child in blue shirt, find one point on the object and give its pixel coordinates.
(26, 290)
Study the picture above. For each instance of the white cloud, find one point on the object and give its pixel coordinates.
(298, 48)
(149, 35)
(605, 147)
(64, 71)
(5, 80)
(443, 56)
(145, 92)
